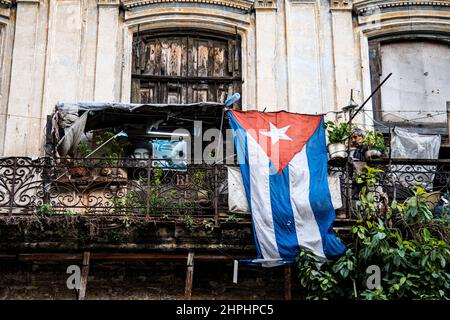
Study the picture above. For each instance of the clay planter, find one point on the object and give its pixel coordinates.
(78, 172)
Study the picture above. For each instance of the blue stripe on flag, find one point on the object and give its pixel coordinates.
(283, 217)
(240, 142)
(319, 193)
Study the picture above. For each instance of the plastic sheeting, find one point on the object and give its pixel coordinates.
(101, 115)
(411, 145)
(73, 132)
(237, 200)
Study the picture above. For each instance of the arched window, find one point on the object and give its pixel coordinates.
(182, 66)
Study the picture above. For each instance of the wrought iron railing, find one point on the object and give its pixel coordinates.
(111, 186)
(397, 181)
(141, 187)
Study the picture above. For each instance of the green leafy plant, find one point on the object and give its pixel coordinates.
(232, 218)
(83, 150)
(123, 204)
(69, 213)
(415, 208)
(113, 149)
(374, 141)
(188, 221)
(155, 201)
(319, 283)
(368, 202)
(208, 224)
(45, 210)
(409, 247)
(337, 133)
(127, 221)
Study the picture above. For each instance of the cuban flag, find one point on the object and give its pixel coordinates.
(283, 161)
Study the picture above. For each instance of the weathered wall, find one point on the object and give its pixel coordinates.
(297, 55)
(145, 280)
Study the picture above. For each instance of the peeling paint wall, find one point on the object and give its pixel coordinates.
(420, 84)
(297, 55)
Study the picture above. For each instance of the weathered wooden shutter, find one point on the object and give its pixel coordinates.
(375, 75)
(185, 69)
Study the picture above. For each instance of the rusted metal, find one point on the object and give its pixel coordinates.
(123, 187)
(108, 186)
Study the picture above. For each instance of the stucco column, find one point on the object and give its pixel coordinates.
(5, 57)
(23, 115)
(266, 54)
(303, 49)
(344, 55)
(106, 79)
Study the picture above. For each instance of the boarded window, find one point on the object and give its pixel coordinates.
(186, 68)
(418, 91)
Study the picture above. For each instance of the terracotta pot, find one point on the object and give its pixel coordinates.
(337, 150)
(78, 172)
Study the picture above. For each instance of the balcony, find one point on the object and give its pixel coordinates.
(132, 204)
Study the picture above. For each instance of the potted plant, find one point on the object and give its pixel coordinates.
(337, 136)
(114, 149)
(75, 169)
(103, 145)
(111, 152)
(374, 143)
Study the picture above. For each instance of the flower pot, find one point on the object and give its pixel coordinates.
(78, 171)
(337, 150)
(373, 154)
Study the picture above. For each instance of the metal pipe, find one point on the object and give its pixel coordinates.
(372, 94)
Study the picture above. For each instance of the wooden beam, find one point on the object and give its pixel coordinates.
(10, 257)
(189, 276)
(287, 282)
(47, 257)
(65, 257)
(84, 275)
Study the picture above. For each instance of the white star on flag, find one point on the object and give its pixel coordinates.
(277, 133)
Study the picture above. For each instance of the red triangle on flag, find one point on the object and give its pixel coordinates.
(280, 134)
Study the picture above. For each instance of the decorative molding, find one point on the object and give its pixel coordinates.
(341, 4)
(302, 1)
(265, 4)
(245, 5)
(384, 18)
(25, 1)
(368, 6)
(108, 3)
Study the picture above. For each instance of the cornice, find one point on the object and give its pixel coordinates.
(266, 4)
(346, 5)
(365, 6)
(237, 4)
(108, 3)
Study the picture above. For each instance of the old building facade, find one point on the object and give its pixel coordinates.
(297, 55)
